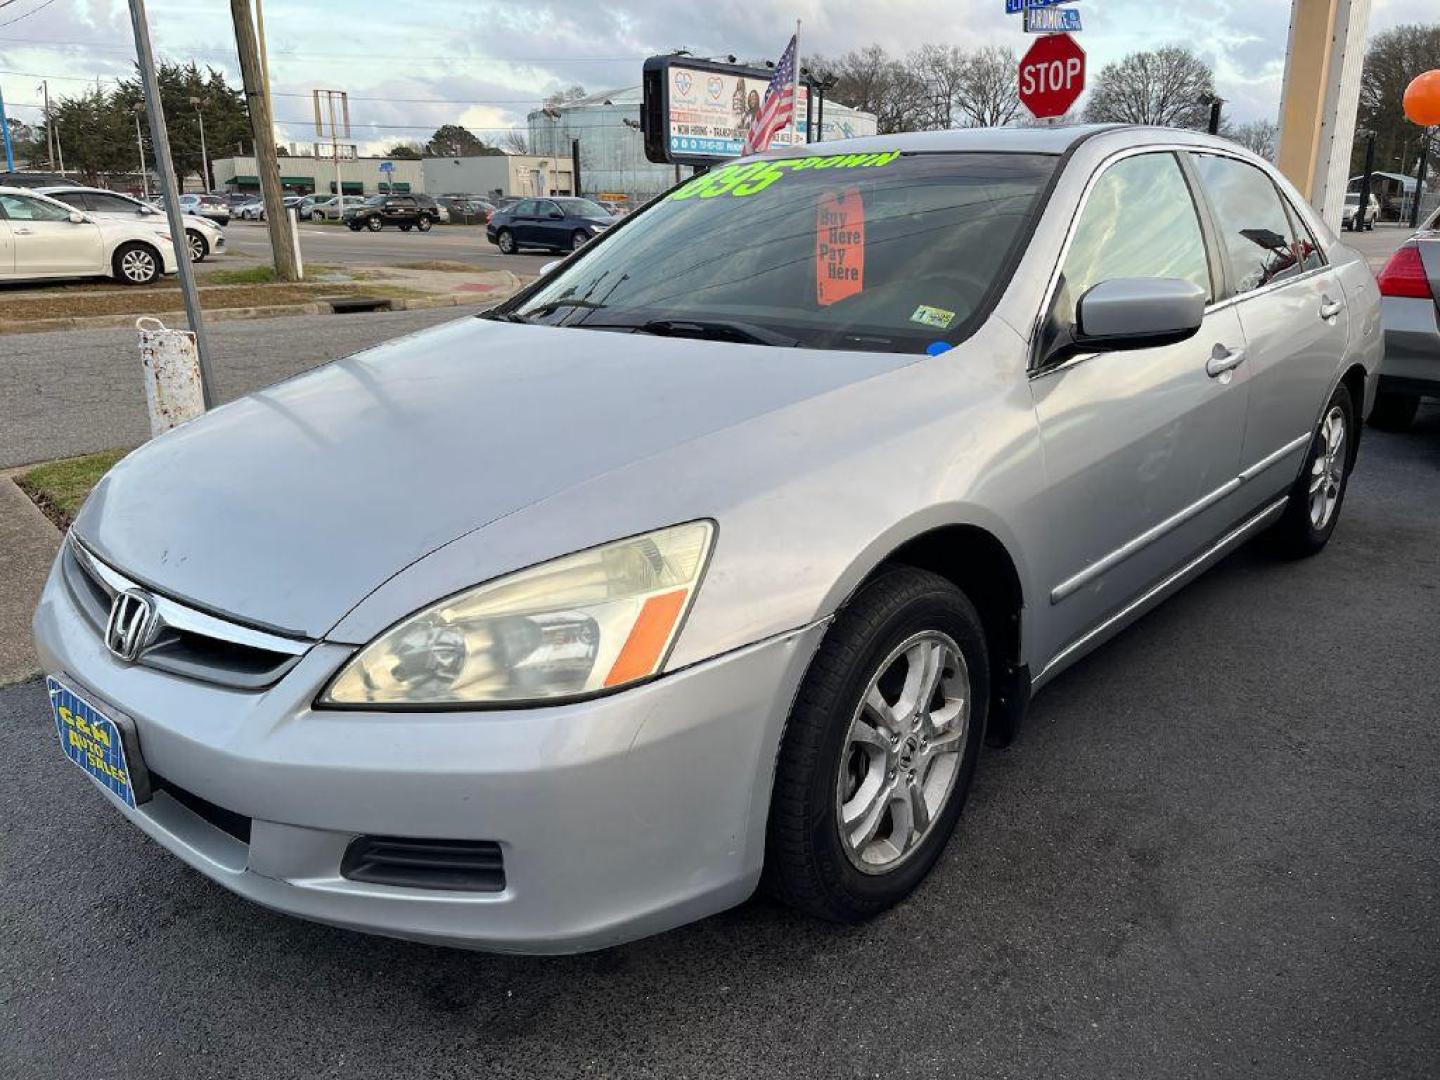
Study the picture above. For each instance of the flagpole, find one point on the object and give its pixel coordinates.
(795, 91)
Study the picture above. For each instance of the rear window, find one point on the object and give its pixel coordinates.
(882, 251)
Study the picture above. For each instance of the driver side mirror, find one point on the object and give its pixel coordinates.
(77, 218)
(1138, 313)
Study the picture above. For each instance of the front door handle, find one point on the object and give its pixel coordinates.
(1329, 308)
(24, 232)
(1223, 360)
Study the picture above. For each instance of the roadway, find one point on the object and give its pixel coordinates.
(1213, 853)
(337, 246)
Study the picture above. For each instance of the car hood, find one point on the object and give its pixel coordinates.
(286, 508)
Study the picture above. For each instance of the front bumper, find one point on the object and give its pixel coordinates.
(617, 818)
(1412, 345)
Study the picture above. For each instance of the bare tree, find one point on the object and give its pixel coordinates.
(1260, 137)
(1392, 59)
(1169, 87)
(988, 96)
(515, 141)
(938, 73)
(569, 94)
(872, 80)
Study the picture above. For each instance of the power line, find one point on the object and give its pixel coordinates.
(89, 45)
(32, 11)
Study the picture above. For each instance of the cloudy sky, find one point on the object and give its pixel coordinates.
(485, 63)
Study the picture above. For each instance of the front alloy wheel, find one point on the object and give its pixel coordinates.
(880, 748)
(506, 242)
(198, 248)
(902, 752)
(374, 224)
(137, 264)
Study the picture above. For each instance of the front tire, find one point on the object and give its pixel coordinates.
(1394, 412)
(424, 224)
(198, 247)
(880, 748)
(578, 239)
(374, 224)
(137, 264)
(505, 241)
(1315, 499)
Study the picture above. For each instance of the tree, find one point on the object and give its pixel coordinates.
(454, 141)
(1260, 137)
(988, 95)
(406, 151)
(515, 141)
(569, 94)
(227, 121)
(1394, 57)
(872, 80)
(1169, 87)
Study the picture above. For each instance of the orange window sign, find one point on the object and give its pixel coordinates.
(839, 246)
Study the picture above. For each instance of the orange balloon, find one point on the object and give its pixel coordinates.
(1422, 98)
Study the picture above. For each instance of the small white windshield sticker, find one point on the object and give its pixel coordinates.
(937, 317)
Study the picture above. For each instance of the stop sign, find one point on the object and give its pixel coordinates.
(1052, 75)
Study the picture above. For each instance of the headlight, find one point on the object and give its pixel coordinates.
(597, 620)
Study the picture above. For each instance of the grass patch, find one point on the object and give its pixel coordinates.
(253, 275)
(59, 487)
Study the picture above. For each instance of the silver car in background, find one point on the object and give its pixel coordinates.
(1410, 312)
(711, 558)
(204, 237)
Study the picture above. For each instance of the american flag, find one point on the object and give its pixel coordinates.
(778, 106)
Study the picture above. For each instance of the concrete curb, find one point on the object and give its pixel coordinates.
(28, 543)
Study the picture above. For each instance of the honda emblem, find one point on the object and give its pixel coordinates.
(132, 615)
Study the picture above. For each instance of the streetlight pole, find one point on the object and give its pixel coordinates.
(204, 156)
(1364, 208)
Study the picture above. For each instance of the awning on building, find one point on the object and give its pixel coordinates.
(397, 187)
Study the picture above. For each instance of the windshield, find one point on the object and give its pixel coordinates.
(1352, 200)
(884, 252)
(582, 208)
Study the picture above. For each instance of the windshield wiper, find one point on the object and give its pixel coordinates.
(565, 301)
(716, 330)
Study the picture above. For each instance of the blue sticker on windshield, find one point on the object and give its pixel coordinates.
(935, 348)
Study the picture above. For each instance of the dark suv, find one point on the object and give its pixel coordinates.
(406, 211)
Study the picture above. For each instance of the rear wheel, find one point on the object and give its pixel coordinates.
(1315, 499)
(424, 224)
(505, 240)
(880, 748)
(1394, 412)
(137, 264)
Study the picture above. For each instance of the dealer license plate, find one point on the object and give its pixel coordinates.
(91, 740)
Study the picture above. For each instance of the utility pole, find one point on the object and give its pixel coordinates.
(1420, 178)
(5, 134)
(1364, 207)
(165, 167)
(140, 146)
(49, 127)
(282, 235)
(204, 156)
(1214, 126)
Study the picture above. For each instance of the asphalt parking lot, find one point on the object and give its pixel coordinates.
(1214, 852)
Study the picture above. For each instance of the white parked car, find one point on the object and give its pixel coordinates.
(204, 237)
(41, 237)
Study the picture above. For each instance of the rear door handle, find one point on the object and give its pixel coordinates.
(1329, 308)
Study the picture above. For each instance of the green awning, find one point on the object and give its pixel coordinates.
(245, 181)
(352, 187)
(298, 181)
(399, 185)
(285, 181)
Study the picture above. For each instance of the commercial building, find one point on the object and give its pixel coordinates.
(612, 149)
(309, 175)
(499, 174)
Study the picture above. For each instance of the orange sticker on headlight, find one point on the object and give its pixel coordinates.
(839, 246)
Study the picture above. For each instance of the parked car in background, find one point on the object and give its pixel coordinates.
(305, 208)
(332, 209)
(41, 237)
(403, 211)
(1410, 312)
(214, 207)
(250, 209)
(558, 224)
(256, 211)
(439, 213)
(613, 207)
(1351, 219)
(237, 199)
(761, 552)
(203, 235)
(466, 209)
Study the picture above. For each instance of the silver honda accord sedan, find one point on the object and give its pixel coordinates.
(710, 559)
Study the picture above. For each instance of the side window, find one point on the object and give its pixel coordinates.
(1311, 257)
(1139, 222)
(1253, 225)
(77, 199)
(524, 208)
(547, 208)
(19, 208)
(111, 204)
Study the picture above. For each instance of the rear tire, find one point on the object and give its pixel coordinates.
(1318, 493)
(424, 224)
(1394, 412)
(871, 775)
(137, 264)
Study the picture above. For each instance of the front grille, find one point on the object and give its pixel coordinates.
(188, 642)
(456, 865)
(237, 825)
